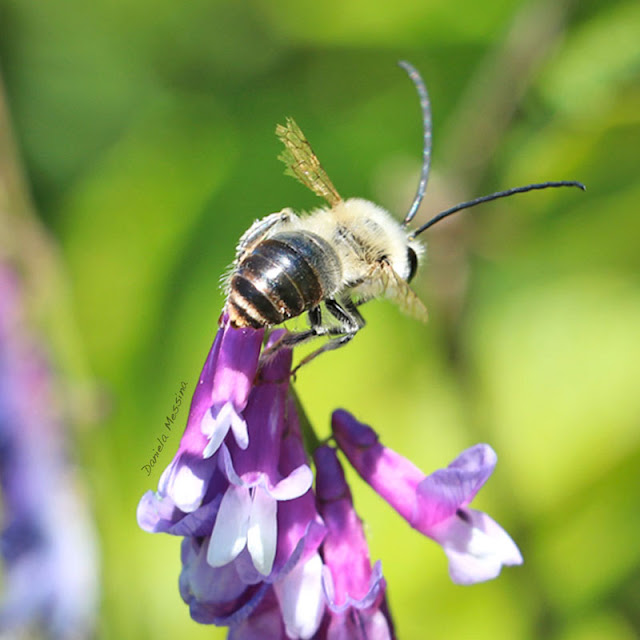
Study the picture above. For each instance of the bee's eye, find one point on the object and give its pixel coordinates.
(412, 258)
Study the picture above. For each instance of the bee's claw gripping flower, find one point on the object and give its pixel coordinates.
(435, 505)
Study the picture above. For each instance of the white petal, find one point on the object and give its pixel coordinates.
(477, 547)
(239, 428)
(208, 423)
(301, 598)
(226, 464)
(229, 535)
(296, 484)
(328, 584)
(263, 531)
(376, 627)
(185, 489)
(218, 428)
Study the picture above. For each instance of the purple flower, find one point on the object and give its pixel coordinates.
(295, 604)
(255, 522)
(217, 406)
(355, 592)
(249, 507)
(261, 553)
(47, 540)
(265, 622)
(300, 527)
(217, 596)
(436, 505)
(300, 597)
(233, 377)
(291, 609)
(248, 512)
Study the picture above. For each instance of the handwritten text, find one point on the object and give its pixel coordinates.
(164, 436)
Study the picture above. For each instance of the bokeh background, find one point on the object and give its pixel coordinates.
(145, 140)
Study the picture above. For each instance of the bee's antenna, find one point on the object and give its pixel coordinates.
(495, 196)
(426, 149)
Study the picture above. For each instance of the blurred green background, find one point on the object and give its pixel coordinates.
(146, 134)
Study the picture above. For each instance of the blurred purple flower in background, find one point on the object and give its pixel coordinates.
(265, 554)
(47, 542)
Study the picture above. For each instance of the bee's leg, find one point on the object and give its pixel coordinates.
(257, 232)
(347, 314)
(261, 228)
(351, 321)
(293, 339)
(288, 340)
(315, 317)
(332, 344)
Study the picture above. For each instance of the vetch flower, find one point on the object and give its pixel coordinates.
(256, 524)
(264, 623)
(248, 514)
(233, 377)
(290, 609)
(354, 590)
(219, 400)
(229, 594)
(436, 505)
(249, 507)
(300, 527)
(300, 596)
(264, 555)
(219, 596)
(298, 586)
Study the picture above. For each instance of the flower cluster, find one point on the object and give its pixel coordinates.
(269, 555)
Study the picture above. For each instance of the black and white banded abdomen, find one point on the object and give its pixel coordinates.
(281, 277)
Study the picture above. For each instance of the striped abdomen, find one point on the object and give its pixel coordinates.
(281, 277)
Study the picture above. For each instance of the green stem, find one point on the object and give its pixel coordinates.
(309, 436)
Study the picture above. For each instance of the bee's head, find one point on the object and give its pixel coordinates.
(415, 251)
(412, 259)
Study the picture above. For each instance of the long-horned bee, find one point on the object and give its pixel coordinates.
(335, 258)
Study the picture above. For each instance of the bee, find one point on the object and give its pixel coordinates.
(336, 258)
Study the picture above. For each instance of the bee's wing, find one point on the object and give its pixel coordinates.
(397, 289)
(303, 164)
